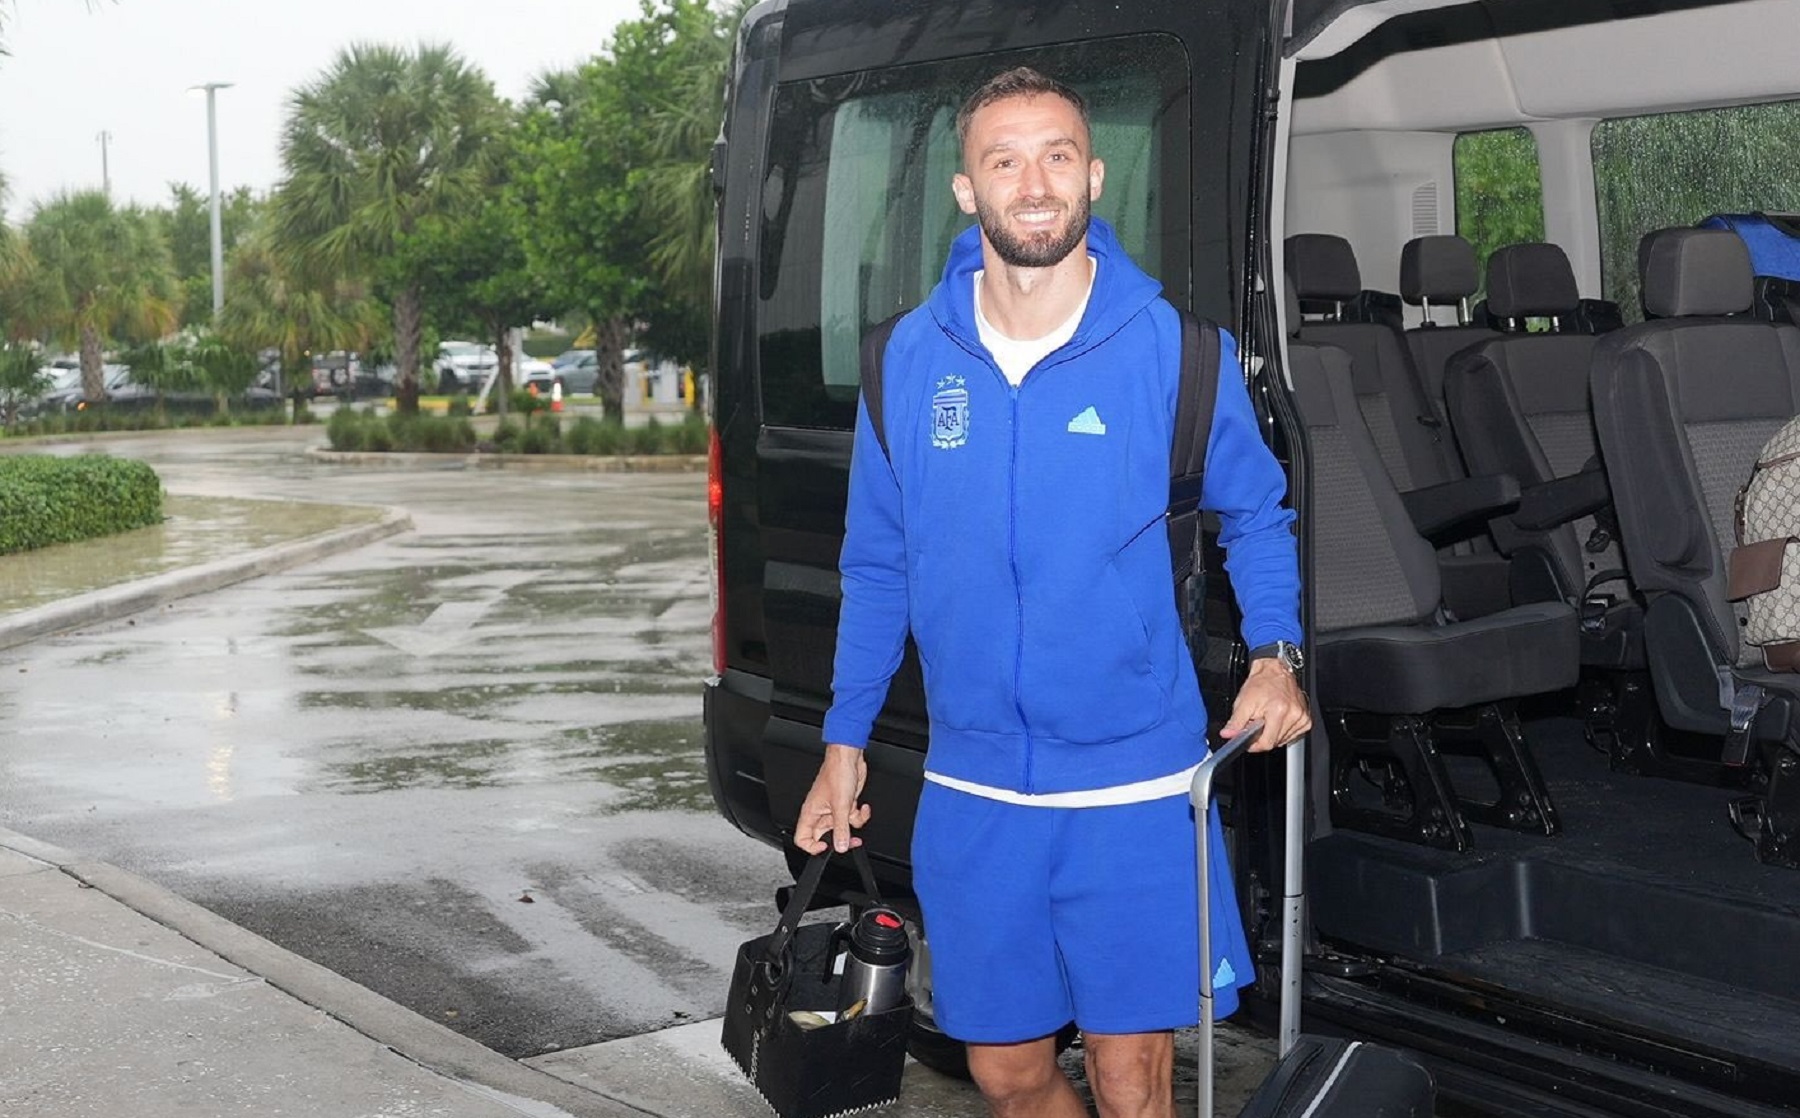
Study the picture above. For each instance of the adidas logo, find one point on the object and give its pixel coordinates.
(1087, 423)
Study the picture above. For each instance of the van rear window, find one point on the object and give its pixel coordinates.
(857, 214)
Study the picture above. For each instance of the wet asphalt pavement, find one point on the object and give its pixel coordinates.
(462, 766)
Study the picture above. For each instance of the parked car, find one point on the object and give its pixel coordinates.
(335, 373)
(579, 374)
(1587, 910)
(463, 366)
(67, 394)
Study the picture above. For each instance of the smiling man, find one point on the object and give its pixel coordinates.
(1014, 526)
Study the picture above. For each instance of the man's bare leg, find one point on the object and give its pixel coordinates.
(1023, 1081)
(1132, 1074)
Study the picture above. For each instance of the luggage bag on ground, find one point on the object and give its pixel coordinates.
(827, 1070)
(1317, 1077)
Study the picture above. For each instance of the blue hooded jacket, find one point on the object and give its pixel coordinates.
(1019, 534)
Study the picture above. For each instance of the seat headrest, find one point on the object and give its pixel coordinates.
(1696, 272)
(1531, 281)
(1294, 321)
(1440, 269)
(1322, 266)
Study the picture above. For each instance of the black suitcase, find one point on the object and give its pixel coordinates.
(1328, 1077)
(1317, 1077)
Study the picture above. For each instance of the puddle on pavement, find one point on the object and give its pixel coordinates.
(195, 530)
(652, 765)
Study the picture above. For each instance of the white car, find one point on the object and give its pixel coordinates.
(463, 366)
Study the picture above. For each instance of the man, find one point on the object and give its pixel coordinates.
(1015, 527)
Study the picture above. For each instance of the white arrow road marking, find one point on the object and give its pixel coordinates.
(449, 625)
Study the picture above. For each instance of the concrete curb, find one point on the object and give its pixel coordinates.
(417, 1038)
(27, 444)
(128, 598)
(589, 463)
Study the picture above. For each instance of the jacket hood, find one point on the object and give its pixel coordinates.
(1121, 289)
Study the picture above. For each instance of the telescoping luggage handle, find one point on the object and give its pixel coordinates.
(1293, 894)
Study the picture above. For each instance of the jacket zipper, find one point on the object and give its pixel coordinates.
(1012, 559)
(1012, 531)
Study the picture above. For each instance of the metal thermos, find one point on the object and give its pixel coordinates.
(875, 960)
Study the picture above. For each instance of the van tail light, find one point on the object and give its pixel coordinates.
(715, 519)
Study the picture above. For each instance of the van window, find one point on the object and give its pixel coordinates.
(1651, 172)
(1499, 192)
(857, 214)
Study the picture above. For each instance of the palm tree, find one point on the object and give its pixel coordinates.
(273, 303)
(677, 188)
(381, 140)
(99, 274)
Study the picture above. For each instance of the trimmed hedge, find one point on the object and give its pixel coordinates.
(541, 434)
(46, 500)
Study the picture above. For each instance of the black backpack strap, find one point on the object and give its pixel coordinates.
(874, 348)
(1193, 409)
(1194, 404)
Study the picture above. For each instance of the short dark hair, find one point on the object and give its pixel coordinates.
(1020, 81)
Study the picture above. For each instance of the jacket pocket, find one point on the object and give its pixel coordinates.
(1089, 670)
(965, 637)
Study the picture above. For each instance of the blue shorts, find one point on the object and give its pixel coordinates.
(1038, 916)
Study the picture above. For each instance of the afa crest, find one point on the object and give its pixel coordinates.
(950, 413)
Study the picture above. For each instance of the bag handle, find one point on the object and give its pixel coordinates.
(800, 900)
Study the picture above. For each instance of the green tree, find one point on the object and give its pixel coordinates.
(691, 65)
(223, 369)
(162, 367)
(21, 380)
(612, 170)
(1499, 193)
(187, 225)
(382, 140)
(474, 270)
(273, 302)
(100, 274)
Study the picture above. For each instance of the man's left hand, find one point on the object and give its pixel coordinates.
(1272, 696)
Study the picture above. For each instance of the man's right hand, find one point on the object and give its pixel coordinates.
(831, 807)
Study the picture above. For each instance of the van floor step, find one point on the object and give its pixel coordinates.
(1645, 999)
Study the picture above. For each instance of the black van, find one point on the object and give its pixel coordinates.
(1585, 932)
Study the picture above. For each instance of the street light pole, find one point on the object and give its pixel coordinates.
(105, 169)
(218, 238)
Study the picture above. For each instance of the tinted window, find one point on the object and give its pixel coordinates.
(1499, 192)
(858, 216)
(1652, 172)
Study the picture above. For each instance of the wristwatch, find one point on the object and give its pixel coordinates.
(1286, 652)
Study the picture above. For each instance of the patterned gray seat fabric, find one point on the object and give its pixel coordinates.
(1407, 428)
(1390, 395)
(1519, 404)
(1378, 645)
(1682, 404)
(1435, 272)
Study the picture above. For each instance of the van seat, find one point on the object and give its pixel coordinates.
(1389, 663)
(1440, 272)
(1518, 403)
(1683, 404)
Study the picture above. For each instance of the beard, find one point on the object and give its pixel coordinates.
(1040, 249)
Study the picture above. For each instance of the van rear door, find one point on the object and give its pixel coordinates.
(846, 221)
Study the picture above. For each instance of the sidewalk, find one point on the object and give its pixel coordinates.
(118, 997)
(107, 1011)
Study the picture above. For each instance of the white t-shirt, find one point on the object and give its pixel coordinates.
(1016, 358)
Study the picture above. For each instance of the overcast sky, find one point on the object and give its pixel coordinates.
(80, 67)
